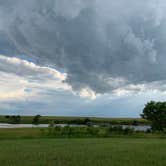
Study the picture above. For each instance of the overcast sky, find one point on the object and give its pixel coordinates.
(81, 57)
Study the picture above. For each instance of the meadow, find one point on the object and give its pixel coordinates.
(75, 132)
(83, 152)
(81, 146)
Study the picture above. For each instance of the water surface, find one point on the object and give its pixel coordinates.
(6, 125)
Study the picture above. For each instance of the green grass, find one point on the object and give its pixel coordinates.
(48, 119)
(29, 147)
(31, 133)
(19, 133)
(83, 152)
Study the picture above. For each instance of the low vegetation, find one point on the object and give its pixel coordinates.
(77, 132)
(83, 152)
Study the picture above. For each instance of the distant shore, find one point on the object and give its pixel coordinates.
(77, 120)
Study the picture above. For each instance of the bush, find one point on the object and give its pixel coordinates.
(87, 131)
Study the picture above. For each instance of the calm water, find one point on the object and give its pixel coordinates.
(138, 128)
(6, 125)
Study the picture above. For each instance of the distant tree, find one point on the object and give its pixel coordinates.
(87, 122)
(7, 116)
(13, 119)
(156, 113)
(36, 119)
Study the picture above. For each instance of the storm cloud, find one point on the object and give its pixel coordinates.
(101, 45)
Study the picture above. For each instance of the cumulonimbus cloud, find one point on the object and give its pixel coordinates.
(101, 45)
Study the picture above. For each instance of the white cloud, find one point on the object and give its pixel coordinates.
(28, 69)
(87, 93)
(137, 89)
(22, 80)
(12, 87)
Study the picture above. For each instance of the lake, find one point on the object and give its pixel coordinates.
(6, 125)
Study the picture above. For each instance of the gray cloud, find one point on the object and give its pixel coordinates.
(96, 43)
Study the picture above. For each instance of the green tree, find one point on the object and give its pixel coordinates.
(36, 119)
(156, 113)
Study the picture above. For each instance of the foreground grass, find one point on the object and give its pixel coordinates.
(83, 152)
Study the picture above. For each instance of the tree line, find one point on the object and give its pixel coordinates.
(154, 112)
(16, 119)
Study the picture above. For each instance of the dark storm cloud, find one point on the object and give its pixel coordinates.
(100, 44)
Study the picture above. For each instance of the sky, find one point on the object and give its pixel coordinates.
(81, 57)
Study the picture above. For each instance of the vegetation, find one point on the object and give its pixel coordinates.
(88, 131)
(13, 119)
(102, 145)
(79, 120)
(76, 132)
(156, 113)
(83, 152)
(36, 119)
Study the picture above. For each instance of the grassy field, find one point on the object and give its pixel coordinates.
(83, 152)
(30, 147)
(38, 133)
(20, 133)
(73, 120)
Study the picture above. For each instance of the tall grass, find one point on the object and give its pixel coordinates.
(83, 152)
